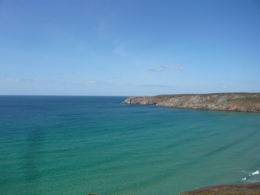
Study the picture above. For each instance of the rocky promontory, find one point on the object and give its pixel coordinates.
(244, 102)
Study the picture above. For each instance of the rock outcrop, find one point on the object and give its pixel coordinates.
(244, 102)
(239, 189)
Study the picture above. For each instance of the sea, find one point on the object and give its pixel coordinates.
(76, 145)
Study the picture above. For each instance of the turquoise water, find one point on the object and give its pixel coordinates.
(80, 145)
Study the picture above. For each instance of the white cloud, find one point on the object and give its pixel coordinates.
(157, 86)
(156, 69)
(114, 77)
(11, 80)
(35, 80)
(16, 79)
(162, 68)
(91, 82)
(175, 67)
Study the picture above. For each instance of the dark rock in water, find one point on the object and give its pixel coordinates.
(240, 189)
(244, 102)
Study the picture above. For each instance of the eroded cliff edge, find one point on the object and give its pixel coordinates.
(244, 102)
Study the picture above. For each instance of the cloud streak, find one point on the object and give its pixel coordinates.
(156, 69)
(34, 80)
(175, 67)
(9, 80)
(25, 80)
(157, 86)
(162, 68)
(90, 82)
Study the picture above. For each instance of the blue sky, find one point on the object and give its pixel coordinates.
(129, 47)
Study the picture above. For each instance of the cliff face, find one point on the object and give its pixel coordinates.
(245, 102)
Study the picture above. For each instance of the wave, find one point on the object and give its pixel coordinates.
(250, 174)
(256, 172)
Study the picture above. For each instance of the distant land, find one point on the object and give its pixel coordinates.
(243, 102)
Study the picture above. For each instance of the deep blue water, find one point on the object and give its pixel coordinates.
(79, 145)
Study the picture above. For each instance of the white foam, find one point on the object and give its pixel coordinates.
(243, 179)
(256, 172)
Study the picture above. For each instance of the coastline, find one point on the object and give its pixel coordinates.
(242, 102)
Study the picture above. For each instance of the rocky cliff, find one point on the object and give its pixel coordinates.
(244, 102)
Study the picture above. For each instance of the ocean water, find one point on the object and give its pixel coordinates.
(79, 145)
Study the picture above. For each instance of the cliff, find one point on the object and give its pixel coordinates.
(239, 189)
(244, 102)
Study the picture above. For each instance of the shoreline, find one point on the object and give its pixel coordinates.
(241, 102)
(250, 188)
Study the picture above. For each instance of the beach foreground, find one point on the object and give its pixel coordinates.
(243, 102)
(245, 189)
(239, 189)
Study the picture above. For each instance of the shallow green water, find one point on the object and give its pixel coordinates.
(78, 145)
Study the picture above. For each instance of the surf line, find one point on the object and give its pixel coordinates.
(250, 174)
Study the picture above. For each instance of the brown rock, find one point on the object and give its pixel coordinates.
(240, 189)
(244, 102)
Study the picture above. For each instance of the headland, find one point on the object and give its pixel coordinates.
(243, 102)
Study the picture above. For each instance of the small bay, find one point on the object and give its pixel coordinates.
(78, 145)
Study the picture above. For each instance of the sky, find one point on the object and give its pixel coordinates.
(129, 47)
